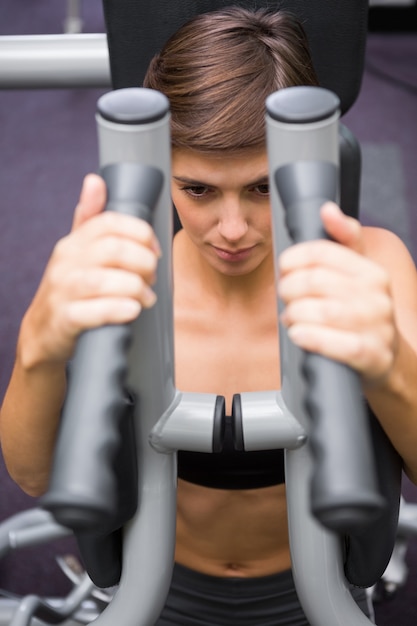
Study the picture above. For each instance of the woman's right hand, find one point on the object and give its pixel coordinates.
(101, 273)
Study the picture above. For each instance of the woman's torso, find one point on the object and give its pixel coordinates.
(225, 348)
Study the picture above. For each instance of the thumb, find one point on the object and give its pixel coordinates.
(92, 200)
(342, 228)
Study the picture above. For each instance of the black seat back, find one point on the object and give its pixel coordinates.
(336, 31)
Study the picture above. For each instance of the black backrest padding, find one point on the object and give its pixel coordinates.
(137, 29)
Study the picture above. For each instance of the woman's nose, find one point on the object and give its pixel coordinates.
(233, 224)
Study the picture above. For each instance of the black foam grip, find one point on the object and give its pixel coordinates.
(83, 492)
(344, 490)
(345, 493)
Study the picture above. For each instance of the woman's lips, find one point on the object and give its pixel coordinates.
(234, 256)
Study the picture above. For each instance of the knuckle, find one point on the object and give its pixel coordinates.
(145, 264)
(69, 320)
(387, 308)
(136, 285)
(140, 286)
(382, 279)
(289, 314)
(383, 357)
(283, 289)
(358, 350)
(145, 230)
(390, 341)
(152, 260)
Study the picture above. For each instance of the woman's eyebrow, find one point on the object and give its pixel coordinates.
(190, 181)
(264, 180)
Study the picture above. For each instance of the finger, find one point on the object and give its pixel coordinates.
(367, 353)
(84, 315)
(119, 225)
(342, 228)
(125, 254)
(108, 282)
(375, 313)
(327, 254)
(318, 282)
(92, 200)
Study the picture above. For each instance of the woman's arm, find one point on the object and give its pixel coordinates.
(357, 303)
(101, 273)
(394, 399)
(29, 420)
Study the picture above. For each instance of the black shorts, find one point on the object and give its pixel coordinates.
(197, 599)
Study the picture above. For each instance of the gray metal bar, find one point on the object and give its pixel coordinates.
(73, 22)
(316, 555)
(54, 61)
(33, 605)
(407, 523)
(149, 538)
(38, 534)
(29, 527)
(8, 607)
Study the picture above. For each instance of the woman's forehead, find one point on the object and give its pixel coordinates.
(245, 167)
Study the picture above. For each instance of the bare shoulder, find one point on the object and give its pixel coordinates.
(386, 247)
(376, 237)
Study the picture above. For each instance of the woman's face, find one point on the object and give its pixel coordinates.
(223, 204)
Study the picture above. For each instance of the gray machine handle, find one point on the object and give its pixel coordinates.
(83, 487)
(344, 491)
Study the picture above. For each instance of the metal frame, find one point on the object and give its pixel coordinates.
(54, 61)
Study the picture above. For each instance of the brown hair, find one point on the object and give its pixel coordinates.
(218, 69)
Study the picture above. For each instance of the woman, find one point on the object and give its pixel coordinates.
(353, 299)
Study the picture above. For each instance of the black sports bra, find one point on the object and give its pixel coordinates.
(231, 469)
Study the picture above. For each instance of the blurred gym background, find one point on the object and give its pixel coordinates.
(47, 145)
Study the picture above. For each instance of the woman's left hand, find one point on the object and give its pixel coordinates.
(338, 302)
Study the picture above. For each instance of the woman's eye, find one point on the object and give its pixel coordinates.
(262, 190)
(197, 191)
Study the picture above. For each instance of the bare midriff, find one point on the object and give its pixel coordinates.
(238, 533)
